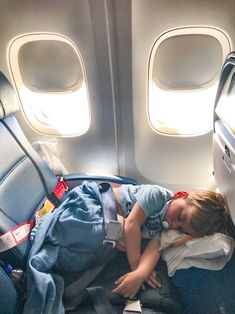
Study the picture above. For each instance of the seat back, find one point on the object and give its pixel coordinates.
(224, 134)
(25, 179)
(201, 290)
(10, 300)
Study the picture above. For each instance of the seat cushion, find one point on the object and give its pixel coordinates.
(205, 291)
(164, 299)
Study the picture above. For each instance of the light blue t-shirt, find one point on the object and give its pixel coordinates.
(154, 201)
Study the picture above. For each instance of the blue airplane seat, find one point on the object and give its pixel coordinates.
(25, 182)
(205, 291)
(10, 300)
(24, 178)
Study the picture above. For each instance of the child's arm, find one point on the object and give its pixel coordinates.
(132, 233)
(148, 262)
(142, 266)
(129, 284)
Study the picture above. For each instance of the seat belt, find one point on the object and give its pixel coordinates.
(100, 300)
(133, 306)
(76, 291)
(102, 303)
(56, 197)
(21, 232)
(52, 201)
(113, 226)
(15, 236)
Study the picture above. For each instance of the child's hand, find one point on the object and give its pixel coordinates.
(120, 247)
(129, 284)
(153, 281)
(182, 240)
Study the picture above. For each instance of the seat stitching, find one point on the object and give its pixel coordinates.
(12, 169)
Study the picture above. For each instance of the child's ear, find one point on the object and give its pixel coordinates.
(180, 194)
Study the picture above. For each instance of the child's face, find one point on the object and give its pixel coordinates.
(178, 214)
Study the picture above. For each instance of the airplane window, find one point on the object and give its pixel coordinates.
(183, 76)
(183, 113)
(50, 80)
(65, 114)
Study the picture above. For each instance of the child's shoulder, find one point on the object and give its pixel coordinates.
(156, 190)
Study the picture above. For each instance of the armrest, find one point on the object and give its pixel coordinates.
(9, 298)
(75, 179)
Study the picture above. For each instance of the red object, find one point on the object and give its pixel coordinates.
(60, 189)
(180, 194)
(22, 231)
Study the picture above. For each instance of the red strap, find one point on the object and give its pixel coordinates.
(57, 193)
(52, 201)
(60, 189)
(22, 231)
(15, 236)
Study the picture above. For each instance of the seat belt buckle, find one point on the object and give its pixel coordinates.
(113, 231)
(113, 243)
(132, 306)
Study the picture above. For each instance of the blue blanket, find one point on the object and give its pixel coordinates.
(66, 239)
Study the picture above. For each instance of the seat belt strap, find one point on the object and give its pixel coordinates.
(100, 301)
(76, 291)
(21, 232)
(52, 201)
(58, 192)
(113, 227)
(15, 236)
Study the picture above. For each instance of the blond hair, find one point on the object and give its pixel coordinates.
(209, 213)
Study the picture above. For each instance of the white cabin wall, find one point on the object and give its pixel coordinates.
(176, 162)
(115, 38)
(85, 23)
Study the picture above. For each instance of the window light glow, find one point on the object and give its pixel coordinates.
(55, 101)
(181, 112)
(62, 113)
(181, 94)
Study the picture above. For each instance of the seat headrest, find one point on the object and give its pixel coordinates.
(8, 99)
